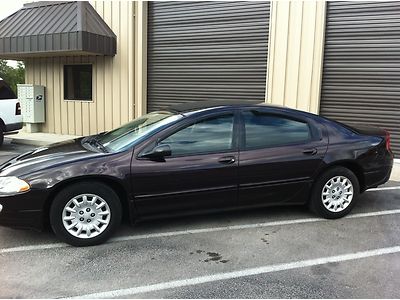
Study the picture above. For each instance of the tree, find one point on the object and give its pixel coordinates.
(12, 76)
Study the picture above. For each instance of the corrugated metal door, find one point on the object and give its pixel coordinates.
(206, 51)
(361, 76)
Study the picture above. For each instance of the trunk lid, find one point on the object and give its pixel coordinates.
(366, 129)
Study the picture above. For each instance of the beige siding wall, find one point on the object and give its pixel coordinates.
(296, 54)
(119, 83)
(113, 80)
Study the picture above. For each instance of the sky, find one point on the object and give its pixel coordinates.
(9, 7)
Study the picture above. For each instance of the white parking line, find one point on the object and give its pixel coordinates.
(33, 248)
(384, 188)
(238, 274)
(202, 230)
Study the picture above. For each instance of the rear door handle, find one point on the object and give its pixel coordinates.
(227, 160)
(312, 151)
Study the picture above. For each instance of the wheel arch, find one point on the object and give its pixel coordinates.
(2, 125)
(352, 166)
(116, 186)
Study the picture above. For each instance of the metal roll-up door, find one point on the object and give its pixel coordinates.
(206, 51)
(361, 75)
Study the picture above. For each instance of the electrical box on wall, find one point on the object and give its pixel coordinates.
(32, 102)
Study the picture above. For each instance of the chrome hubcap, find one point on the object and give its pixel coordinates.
(86, 216)
(337, 194)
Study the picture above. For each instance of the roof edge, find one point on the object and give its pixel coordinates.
(43, 3)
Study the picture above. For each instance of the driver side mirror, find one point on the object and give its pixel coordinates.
(158, 152)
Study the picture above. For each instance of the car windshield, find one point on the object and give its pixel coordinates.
(129, 134)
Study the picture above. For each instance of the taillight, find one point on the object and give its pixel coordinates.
(387, 138)
(18, 109)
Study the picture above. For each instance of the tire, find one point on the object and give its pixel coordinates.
(1, 136)
(337, 198)
(88, 197)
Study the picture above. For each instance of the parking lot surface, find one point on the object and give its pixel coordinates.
(265, 253)
(9, 150)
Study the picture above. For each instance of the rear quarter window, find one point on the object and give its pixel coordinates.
(6, 92)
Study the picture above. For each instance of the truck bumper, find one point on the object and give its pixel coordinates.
(13, 127)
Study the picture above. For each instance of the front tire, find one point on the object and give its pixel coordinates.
(85, 214)
(335, 193)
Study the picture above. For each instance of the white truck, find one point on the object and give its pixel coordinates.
(10, 111)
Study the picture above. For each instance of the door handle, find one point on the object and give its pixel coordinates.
(311, 151)
(227, 160)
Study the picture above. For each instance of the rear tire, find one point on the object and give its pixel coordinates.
(335, 193)
(85, 214)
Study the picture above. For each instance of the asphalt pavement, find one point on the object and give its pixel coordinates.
(284, 252)
(9, 150)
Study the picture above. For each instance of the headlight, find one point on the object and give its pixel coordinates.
(12, 185)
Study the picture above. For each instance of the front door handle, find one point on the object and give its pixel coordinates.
(311, 151)
(227, 160)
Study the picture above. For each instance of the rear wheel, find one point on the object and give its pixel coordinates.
(85, 214)
(335, 193)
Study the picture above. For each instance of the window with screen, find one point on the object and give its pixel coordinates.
(266, 130)
(208, 136)
(78, 82)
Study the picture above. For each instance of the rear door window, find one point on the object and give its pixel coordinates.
(264, 130)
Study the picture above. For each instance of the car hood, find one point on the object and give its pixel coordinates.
(48, 157)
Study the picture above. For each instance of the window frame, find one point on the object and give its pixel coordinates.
(242, 140)
(65, 82)
(186, 123)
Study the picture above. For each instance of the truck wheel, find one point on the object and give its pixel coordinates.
(85, 214)
(1, 137)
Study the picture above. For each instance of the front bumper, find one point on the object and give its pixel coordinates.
(23, 211)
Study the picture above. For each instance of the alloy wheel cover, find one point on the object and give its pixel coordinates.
(86, 216)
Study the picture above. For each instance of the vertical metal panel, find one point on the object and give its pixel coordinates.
(295, 54)
(206, 51)
(361, 77)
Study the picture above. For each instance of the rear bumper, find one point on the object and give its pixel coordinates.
(377, 177)
(13, 127)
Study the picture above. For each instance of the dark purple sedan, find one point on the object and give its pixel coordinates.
(192, 158)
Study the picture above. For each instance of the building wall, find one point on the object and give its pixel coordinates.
(113, 80)
(119, 83)
(296, 54)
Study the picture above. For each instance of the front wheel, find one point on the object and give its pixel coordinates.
(335, 193)
(85, 214)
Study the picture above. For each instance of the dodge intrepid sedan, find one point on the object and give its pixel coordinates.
(192, 158)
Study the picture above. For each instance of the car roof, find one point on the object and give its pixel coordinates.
(201, 105)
